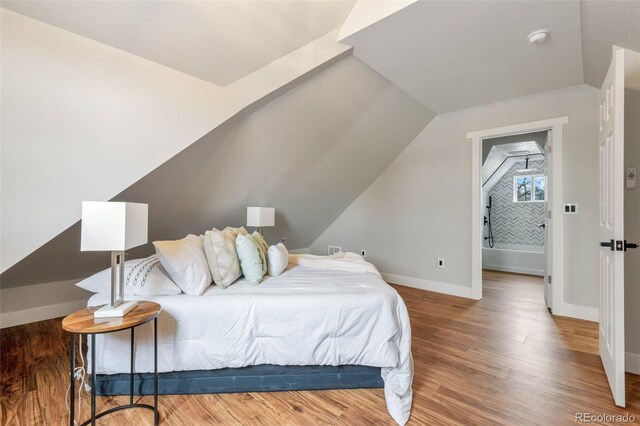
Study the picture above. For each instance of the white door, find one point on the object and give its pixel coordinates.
(611, 142)
(548, 281)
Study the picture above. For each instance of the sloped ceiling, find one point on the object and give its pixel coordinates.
(218, 41)
(309, 153)
(454, 55)
(459, 54)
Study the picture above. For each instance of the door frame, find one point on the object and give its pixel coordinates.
(555, 127)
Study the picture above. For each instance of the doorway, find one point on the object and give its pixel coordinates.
(552, 230)
(514, 193)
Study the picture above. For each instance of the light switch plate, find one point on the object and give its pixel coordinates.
(570, 208)
(631, 177)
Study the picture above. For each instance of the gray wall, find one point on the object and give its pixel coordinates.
(419, 209)
(309, 153)
(632, 223)
(515, 223)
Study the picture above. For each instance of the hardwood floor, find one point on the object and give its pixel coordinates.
(501, 360)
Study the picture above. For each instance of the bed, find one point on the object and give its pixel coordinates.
(337, 313)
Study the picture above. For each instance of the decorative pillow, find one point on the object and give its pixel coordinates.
(186, 263)
(236, 231)
(220, 248)
(277, 259)
(252, 261)
(263, 245)
(142, 277)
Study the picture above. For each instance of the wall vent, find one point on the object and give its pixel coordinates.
(334, 250)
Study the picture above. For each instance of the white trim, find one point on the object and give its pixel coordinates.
(632, 363)
(40, 313)
(555, 125)
(514, 269)
(580, 312)
(451, 289)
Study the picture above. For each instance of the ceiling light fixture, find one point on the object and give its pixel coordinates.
(538, 36)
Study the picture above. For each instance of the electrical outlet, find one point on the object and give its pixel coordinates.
(333, 250)
(363, 253)
(440, 262)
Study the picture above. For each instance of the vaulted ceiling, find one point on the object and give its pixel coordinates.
(217, 41)
(459, 54)
(449, 55)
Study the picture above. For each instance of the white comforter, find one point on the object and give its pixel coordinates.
(307, 316)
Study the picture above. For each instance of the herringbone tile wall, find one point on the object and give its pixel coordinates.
(515, 223)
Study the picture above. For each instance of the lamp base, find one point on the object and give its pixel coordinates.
(119, 311)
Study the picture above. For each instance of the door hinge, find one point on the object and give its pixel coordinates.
(549, 279)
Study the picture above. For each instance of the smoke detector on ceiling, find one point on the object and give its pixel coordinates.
(538, 36)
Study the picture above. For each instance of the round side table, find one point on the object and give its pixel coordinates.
(83, 322)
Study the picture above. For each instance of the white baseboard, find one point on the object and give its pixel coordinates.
(632, 363)
(38, 302)
(580, 312)
(453, 290)
(515, 270)
(40, 313)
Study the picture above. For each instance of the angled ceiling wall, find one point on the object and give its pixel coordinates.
(217, 41)
(458, 54)
(82, 120)
(454, 55)
(309, 153)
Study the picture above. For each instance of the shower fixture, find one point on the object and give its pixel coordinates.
(487, 221)
(526, 168)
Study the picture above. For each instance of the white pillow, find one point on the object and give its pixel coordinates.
(142, 277)
(277, 259)
(186, 263)
(222, 257)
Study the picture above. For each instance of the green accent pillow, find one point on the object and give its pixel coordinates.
(252, 261)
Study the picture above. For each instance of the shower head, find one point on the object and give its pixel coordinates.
(526, 168)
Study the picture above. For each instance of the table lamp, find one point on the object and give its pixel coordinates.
(115, 227)
(261, 217)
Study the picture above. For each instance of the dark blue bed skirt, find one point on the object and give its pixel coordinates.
(259, 378)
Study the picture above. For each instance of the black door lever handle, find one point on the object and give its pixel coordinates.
(611, 244)
(629, 245)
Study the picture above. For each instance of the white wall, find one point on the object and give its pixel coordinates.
(83, 121)
(419, 208)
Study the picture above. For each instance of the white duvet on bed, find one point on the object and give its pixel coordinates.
(306, 316)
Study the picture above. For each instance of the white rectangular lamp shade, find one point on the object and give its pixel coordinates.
(113, 226)
(261, 217)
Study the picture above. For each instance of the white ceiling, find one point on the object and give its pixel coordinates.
(605, 23)
(218, 41)
(454, 55)
(449, 55)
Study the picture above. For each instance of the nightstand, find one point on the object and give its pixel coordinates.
(83, 322)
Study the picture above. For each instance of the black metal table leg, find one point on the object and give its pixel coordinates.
(132, 362)
(93, 380)
(72, 386)
(155, 371)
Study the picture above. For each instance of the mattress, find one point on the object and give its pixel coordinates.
(306, 316)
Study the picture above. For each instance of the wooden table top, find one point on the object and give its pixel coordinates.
(83, 322)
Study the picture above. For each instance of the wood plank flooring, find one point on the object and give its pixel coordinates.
(501, 360)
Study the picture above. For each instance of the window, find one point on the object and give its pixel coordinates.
(529, 188)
